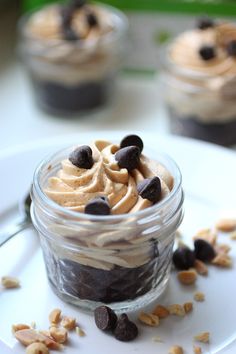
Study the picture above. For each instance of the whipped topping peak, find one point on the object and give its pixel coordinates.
(74, 187)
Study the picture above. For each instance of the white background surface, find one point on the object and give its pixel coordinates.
(204, 202)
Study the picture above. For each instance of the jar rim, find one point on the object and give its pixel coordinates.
(39, 193)
(80, 43)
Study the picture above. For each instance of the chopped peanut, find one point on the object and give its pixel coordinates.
(10, 282)
(222, 260)
(149, 319)
(55, 316)
(176, 350)
(187, 277)
(200, 267)
(198, 296)
(197, 350)
(226, 225)
(206, 235)
(68, 322)
(18, 327)
(37, 348)
(188, 307)
(177, 310)
(29, 336)
(58, 334)
(161, 311)
(203, 337)
(80, 331)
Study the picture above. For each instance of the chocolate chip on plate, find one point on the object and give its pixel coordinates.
(183, 258)
(105, 318)
(203, 250)
(82, 157)
(98, 206)
(92, 19)
(150, 188)
(231, 48)
(128, 157)
(205, 23)
(125, 330)
(132, 140)
(207, 52)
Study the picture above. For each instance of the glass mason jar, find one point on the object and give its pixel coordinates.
(200, 105)
(71, 77)
(120, 260)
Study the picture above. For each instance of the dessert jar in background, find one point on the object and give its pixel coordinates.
(72, 53)
(198, 82)
(123, 260)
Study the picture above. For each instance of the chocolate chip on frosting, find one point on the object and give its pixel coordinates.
(98, 206)
(150, 188)
(132, 140)
(128, 157)
(92, 19)
(205, 23)
(207, 52)
(231, 48)
(82, 157)
(105, 318)
(125, 330)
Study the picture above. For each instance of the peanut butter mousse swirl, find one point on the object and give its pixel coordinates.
(74, 187)
(185, 50)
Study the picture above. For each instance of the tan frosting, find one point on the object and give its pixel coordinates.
(206, 84)
(73, 187)
(46, 23)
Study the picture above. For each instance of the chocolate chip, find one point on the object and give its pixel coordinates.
(183, 258)
(150, 188)
(77, 4)
(203, 250)
(82, 157)
(98, 206)
(132, 140)
(128, 157)
(92, 19)
(125, 330)
(105, 318)
(207, 52)
(231, 48)
(205, 23)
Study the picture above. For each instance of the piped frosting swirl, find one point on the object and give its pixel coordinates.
(74, 187)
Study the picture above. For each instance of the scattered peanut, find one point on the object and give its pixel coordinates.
(226, 225)
(37, 348)
(68, 322)
(200, 267)
(157, 339)
(222, 248)
(176, 350)
(80, 331)
(10, 282)
(197, 350)
(203, 337)
(161, 311)
(55, 316)
(222, 260)
(187, 277)
(18, 327)
(206, 235)
(188, 307)
(58, 334)
(176, 309)
(29, 336)
(149, 319)
(198, 296)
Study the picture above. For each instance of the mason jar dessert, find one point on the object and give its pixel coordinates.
(73, 53)
(199, 82)
(107, 215)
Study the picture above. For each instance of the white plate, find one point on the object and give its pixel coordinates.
(209, 175)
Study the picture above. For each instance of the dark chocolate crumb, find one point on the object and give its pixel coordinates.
(183, 258)
(105, 318)
(203, 250)
(128, 157)
(98, 206)
(150, 188)
(125, 330)
(132, 140)
(205, 23)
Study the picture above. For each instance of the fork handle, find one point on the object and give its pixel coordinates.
(13, 230)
